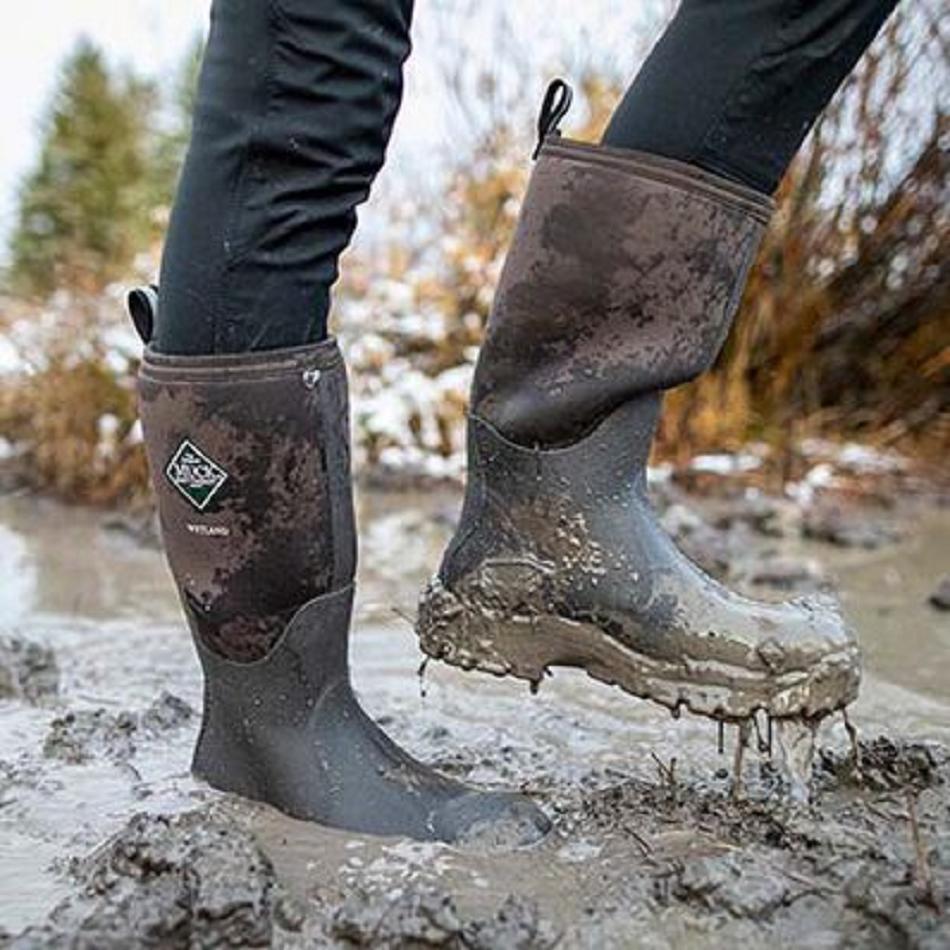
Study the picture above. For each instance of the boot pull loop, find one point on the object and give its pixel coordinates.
(142, 304)
(557, 100)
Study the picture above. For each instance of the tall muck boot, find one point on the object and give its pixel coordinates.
(250, 461)
(623, 278)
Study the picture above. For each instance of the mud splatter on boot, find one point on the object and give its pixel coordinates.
(622, 282)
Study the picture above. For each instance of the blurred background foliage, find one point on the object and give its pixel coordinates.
(87, 207)
(843, 332)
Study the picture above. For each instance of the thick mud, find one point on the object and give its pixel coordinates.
(106, 840)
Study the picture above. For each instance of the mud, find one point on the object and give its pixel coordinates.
(107, 840)
(848, 527)
(849, 854)
(202, 880)
(790, 574)
(28, 671)
(86, 734)
(430, 918)
(188, 881)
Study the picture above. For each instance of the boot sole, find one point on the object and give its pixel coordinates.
(527, 646)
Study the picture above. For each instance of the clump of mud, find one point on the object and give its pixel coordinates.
(883, 765)
(189, 881)
(430, 919)
(201, 880)
(82, 735)
(28, 671)
(867, 859)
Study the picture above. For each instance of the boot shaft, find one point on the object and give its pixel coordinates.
(623, 278)
(250, 463)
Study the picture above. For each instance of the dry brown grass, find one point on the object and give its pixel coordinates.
(844, 329)
(71, 415)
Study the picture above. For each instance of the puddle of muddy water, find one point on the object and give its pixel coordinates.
(106, 607)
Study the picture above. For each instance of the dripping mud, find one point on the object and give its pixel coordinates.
(659, 841)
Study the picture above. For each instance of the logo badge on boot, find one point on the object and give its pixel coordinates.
(195, 475)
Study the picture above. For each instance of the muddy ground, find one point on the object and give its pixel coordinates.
(106, 841)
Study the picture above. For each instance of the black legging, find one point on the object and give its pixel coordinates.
(735, 85)
(296, 103)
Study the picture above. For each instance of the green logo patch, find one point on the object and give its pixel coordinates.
(195, 475)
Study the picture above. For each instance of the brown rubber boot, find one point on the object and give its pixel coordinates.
(250, 462)
(622, 281)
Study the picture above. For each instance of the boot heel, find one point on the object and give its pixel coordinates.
(505, 636)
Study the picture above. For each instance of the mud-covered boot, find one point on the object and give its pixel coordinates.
(624, 275)
(250, 461)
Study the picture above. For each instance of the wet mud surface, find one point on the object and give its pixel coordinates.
(106, 840)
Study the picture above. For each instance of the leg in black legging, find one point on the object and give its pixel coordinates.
(734, 85)
(296, 102)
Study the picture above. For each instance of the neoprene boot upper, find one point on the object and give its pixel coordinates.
(252, 476)
(623, 278)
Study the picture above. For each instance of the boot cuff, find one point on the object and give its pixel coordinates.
(230, 367)
(667, 171)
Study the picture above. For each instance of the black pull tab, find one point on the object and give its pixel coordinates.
(557, 100)
(142, 304)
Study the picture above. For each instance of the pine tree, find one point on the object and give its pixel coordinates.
(173, 141)
(86, 208)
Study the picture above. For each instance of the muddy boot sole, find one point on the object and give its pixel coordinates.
(527, 646)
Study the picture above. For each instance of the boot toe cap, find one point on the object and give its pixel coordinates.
(808, 631)
(492, 820)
